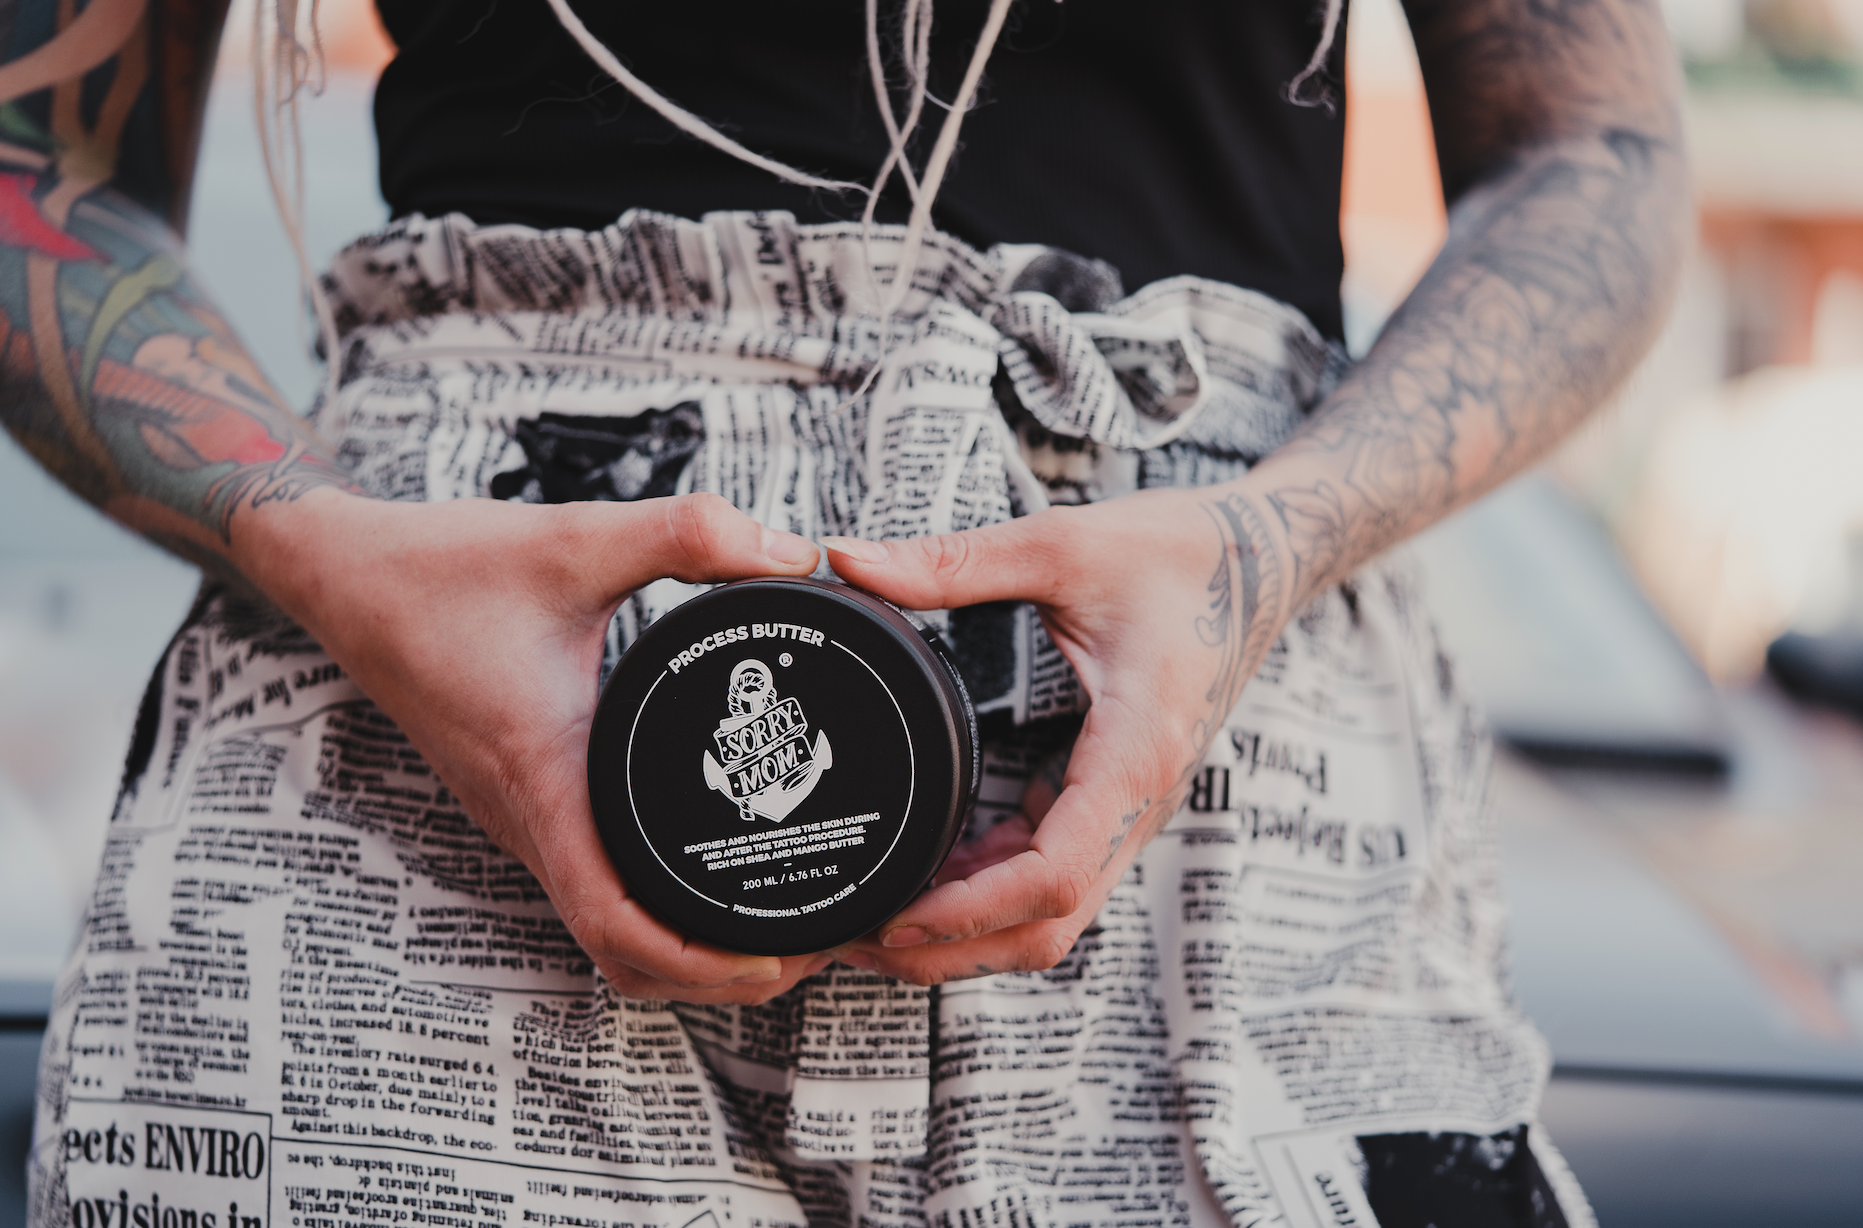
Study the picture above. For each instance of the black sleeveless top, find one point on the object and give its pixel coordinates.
(1154, 136)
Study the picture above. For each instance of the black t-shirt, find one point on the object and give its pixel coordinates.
(1154, 136)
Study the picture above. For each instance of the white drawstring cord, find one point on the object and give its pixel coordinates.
(287, 67)
(916, 36)
(916, 48)
(940, 159)
(678, 116)
(1328, 33)
(284, 67)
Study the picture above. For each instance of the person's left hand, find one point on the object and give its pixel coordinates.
(1164, 602)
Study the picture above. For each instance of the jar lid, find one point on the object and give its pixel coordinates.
(777, 766)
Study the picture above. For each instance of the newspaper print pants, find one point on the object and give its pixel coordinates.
(309, 993)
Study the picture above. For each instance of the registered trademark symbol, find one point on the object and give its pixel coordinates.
(785, 659)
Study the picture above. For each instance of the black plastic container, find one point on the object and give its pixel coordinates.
(778, 766)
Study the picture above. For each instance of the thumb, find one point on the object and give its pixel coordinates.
(1018, 560)
(692, 538)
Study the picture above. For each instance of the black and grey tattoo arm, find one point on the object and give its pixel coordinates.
(1558, 133)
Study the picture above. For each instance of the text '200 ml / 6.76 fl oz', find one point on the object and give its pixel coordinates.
(778, 766)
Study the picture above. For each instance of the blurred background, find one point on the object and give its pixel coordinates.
(1665, 622)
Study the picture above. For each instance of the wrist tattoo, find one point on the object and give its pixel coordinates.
(1241, 620)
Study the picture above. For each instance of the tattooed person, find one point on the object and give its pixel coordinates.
(1223, 942)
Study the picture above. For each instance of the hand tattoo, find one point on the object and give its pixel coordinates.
(1118, 838)
(1244, 615)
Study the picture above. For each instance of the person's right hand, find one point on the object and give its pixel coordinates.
(478, 627)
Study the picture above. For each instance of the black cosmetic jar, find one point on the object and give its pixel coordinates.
(778, 766)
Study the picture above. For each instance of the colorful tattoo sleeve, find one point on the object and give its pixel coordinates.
(116, 371)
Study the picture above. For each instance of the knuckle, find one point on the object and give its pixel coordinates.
(950, 555)
(602, 933)
(923, 971)
(1068, 886)
(591, 929)
(699, 524)
(1052, 944)
(973, 914)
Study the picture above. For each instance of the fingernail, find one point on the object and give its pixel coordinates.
(858, 549)
(787, 548)
(904, 936)
(760, 978)
(861, 960)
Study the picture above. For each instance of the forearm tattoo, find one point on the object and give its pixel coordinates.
(1565, 236)
(116, 372)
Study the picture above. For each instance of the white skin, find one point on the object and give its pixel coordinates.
(478, 625)
(531, 589)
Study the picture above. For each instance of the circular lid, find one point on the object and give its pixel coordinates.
(777, 766)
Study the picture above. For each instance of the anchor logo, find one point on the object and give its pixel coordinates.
(767, 766)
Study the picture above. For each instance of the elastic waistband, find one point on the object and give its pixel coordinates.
(760, 269)
(656, 303)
